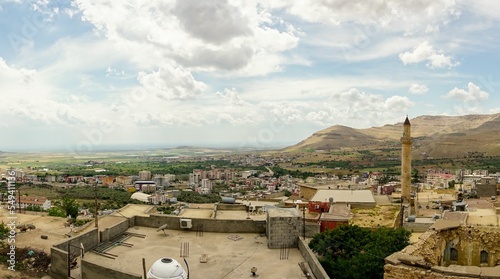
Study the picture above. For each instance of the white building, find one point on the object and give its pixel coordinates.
(26, 201)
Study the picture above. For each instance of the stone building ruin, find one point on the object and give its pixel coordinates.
(449, 250)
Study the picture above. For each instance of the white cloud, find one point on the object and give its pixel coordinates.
(213, 21)
(407, 16)
(216, 36)
(231, 96)
(352, 108)
(171, 83)
(425, 52)
(484, 8)
(416, 88)
(8, 73)
(472, 95)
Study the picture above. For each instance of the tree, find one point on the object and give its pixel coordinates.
(415, 176)
(70, 207)
(451, 184)
(4, 230)
(352, 252)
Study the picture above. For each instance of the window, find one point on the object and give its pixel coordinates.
(484, 257)
(453, 254)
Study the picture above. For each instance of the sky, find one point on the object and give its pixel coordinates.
(85, 75)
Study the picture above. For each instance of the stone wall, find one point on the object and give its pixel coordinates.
(311, 259)
(92, 271)
(208, 225)
(468, 241)
(430, 257)
(403, 266)
(486, 190)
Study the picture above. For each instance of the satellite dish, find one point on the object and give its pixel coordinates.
(162, 228)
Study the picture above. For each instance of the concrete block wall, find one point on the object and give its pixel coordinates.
(59, 263)
(209, 225)
(310, 258)
(283, 231)
(237, 207)
(89, 241)
(92, 271)
(115, 231)
(311, 229)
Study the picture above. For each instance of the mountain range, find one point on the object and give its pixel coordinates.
(433, 136)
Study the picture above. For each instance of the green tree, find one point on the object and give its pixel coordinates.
(352, 252)
(451, 184)
(415, 176)
(4, 230)
(70, 207)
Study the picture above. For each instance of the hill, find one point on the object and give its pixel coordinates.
(434, 136)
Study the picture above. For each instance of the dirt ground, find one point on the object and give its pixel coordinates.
(52, 227)
(380, 216)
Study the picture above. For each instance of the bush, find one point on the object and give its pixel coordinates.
(57, 212)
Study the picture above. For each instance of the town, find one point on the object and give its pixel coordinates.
(241, 194)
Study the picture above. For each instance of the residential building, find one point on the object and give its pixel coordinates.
(25, 201)
(144, 175)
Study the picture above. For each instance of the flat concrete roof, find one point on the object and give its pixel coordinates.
(283, 212)
(460, 216)
(229, 255)
(344, 196)
(441, 224)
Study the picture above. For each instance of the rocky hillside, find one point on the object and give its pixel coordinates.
(434, 136)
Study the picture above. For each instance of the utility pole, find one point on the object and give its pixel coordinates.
(19, 199)
(304, 222)
(402, 213)
(96, 207)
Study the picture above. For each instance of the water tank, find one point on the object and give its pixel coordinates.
(166, 268)
(412, 218)
(228, 200)
(330, 199)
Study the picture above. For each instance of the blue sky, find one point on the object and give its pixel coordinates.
(86, 74)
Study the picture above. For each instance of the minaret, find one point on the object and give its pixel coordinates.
(406, 142)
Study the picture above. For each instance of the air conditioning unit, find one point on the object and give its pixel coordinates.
(186, 223)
